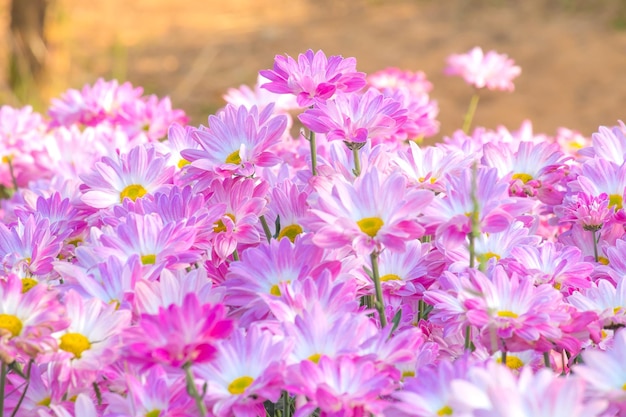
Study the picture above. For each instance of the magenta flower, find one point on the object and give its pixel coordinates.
(396, 79)
(237, 140)
(179, 334)
(355, 118)
(591, 212)
(492, 70)
(313, 76)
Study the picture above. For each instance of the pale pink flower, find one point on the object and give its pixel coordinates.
(492, 70)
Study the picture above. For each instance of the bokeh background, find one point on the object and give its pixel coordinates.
(572, 52)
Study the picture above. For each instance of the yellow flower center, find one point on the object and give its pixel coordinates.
(616, 310)
(432, 180)
(603, 260)
(27, 284)
(290, 232)
(445, 411)
(615, 200)
(133, 191)
(522, 177)
(219, 227)
(275, 290)
(557, 286)
(11, 323)
(153, 413)
(408, 374)
(507, 313)
(624, 387)
(74, 343)
(239, 385)
(315, 358)
(370, 225)
(390, 277)
(181, 164)
(484, 257)
(233, 158)
(148, 259)
(45, 402)
(513, 362)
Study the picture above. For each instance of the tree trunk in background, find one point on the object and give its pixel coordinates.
(27, 60)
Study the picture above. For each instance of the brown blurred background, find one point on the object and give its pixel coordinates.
(572, 52)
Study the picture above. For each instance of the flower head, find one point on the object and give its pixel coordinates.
(492, 70)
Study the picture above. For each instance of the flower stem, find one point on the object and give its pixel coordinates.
(546, 360)
(192, 390)
(595, 246)
(3, 377)
(286, 410)
(313, 152)
(357, 162)
(471, 111)
(474, 219)
(27, 378)
(235, 255)
(380, 306)
(266, 228)
(468, 338)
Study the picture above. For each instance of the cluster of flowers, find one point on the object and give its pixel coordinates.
(149, 268)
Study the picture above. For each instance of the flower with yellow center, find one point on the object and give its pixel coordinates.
(10, 323)
(133, 191)
(370, 225)
(239, 385)
(75, 343)
(290, 232)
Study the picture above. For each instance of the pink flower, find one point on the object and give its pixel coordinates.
(355, 118)
(368, 215)
(178, 335)
(237, 140)
(313, 76)
(492, 70)
(397, 79)
(591, 212)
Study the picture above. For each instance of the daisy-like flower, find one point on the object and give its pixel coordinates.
(608, 144)
(511, 313)
(591, 212)
(600, 176)
(313, 76)
(355, 118)
(148, 119)
(180, 138)
(27, 318)
(605, 299)
(92, 340)
(492, 70)
(237, 140)
(248, 369)
(398, 79)
(133, 175)
(371, 214)
(260, 97)
(179, 334)
(342, 387)
(289, 206)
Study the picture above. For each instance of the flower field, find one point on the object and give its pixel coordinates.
(304, 254)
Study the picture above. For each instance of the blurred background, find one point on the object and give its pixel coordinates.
(572, 52)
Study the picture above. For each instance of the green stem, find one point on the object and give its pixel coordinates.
(474, 219)
(285, 404)
(313, 152)
(546, 360)
(266, 228)
(471, 111)
(235, 255)
(357, 162)
(595, 246)
(468, 337)
(503, 357)
(3, 377)
(192, 389)
(380, 306)
(27, 379)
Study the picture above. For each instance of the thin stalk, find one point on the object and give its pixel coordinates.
(192, 390)
(12, 172)
(313, 152)
(266, 228)
(380, 306)
(471, 111)
(3, 377)
(285, 404)
(503, 357)
(546, 360)
(468, 338)
(421, 307)
(357, 162)
(235, 255)
(27, 378)
(474, 219)
(595, 246)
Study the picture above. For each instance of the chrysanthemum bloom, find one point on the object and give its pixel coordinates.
(495, 391)
(179, 334)
(492, 70)
(92, 340)
(375, 212)
(533, 169)
(598, 176)
(605, 299)
(608, 144)
(261, 97)
(133, 175)
(289, 206)
(265, 269)
(511, 313)
(355, 118)
(342, 387)
(591, 212)
(28, 249)
(27, 318)
(397, 79)
(426, 167)
(245, 203)
(237, 140)
(93, 105)
(148, 119)
(180, 138)
(313, 76)
(248, 369)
